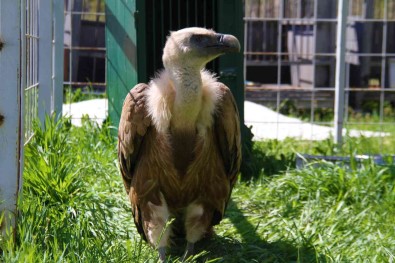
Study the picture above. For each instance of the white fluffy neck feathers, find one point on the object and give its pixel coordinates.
(183, 99)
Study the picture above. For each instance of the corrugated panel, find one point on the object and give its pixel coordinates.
(164, 16)
(121, 54)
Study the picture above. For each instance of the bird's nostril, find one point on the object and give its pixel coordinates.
(220, 38)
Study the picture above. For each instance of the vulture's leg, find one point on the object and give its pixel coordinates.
(189, 251)
(197, 222)
(162, 254)
(155, 218)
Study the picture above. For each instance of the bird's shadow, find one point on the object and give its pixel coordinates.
(251, 247)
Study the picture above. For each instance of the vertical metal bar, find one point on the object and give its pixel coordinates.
(70, 9)
(58, 16)
(347, 93)
(205, 13)
(187, 12)
(44, 59)
(340, 68)
(154, 33)
(196, 13)
(279, 61)
(314, 51)
(162, 24)
(171, 14)
(245, 44)
(214, 17)
(298, 9)
(24, 75)
(179, 13)
(11, 148)
(383, 67)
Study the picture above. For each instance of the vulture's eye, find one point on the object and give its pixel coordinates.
(199, 39)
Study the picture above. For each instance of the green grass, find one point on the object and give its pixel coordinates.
(74, 208)
(71, 95)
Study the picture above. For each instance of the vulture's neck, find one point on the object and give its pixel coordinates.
(188, 96)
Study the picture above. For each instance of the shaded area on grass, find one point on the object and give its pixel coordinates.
(251, 247)
(75, 208)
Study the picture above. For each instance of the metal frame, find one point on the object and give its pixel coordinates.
(31, 72)
(73, 49)
(280, 58)
(10, 111)
(30, 63)
(45, 53)
(340, 69)
(57, 55)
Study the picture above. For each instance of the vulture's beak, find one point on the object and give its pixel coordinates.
(227, 43)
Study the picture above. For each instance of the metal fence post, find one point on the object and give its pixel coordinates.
(10, 111)
(58, 25)
(340, 68)
(45, 95)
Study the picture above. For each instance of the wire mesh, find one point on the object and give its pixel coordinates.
(31, 66)
(290, 65)
(85, 51)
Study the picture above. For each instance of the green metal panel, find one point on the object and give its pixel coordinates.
(121, 53)
(155, 20)
(230, 66)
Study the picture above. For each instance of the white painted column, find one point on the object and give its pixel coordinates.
(10, 110)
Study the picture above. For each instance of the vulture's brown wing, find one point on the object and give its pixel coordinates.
(133, 125)
(227, 128)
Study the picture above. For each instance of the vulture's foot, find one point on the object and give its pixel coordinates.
(188, 252)
(162, 254)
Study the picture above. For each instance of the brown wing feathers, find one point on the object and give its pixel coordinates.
(132, 128)
(228, 132)
(133, 125)
(227, 129)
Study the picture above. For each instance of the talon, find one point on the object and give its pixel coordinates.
(162, 254)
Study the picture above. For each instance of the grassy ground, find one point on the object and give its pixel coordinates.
(74, 208)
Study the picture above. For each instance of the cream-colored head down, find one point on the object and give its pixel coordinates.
(195, 46)
(184, 94)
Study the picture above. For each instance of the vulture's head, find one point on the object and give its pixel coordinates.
(195, 47)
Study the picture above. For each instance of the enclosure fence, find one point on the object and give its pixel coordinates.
(31, 34)
(84, 54)
(290, 65)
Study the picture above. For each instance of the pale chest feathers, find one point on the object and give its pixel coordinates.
(194, 109)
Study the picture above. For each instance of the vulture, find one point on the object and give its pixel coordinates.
(179, 148)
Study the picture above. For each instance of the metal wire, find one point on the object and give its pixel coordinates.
(268, 63)
(89, 84)
(31, 67)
